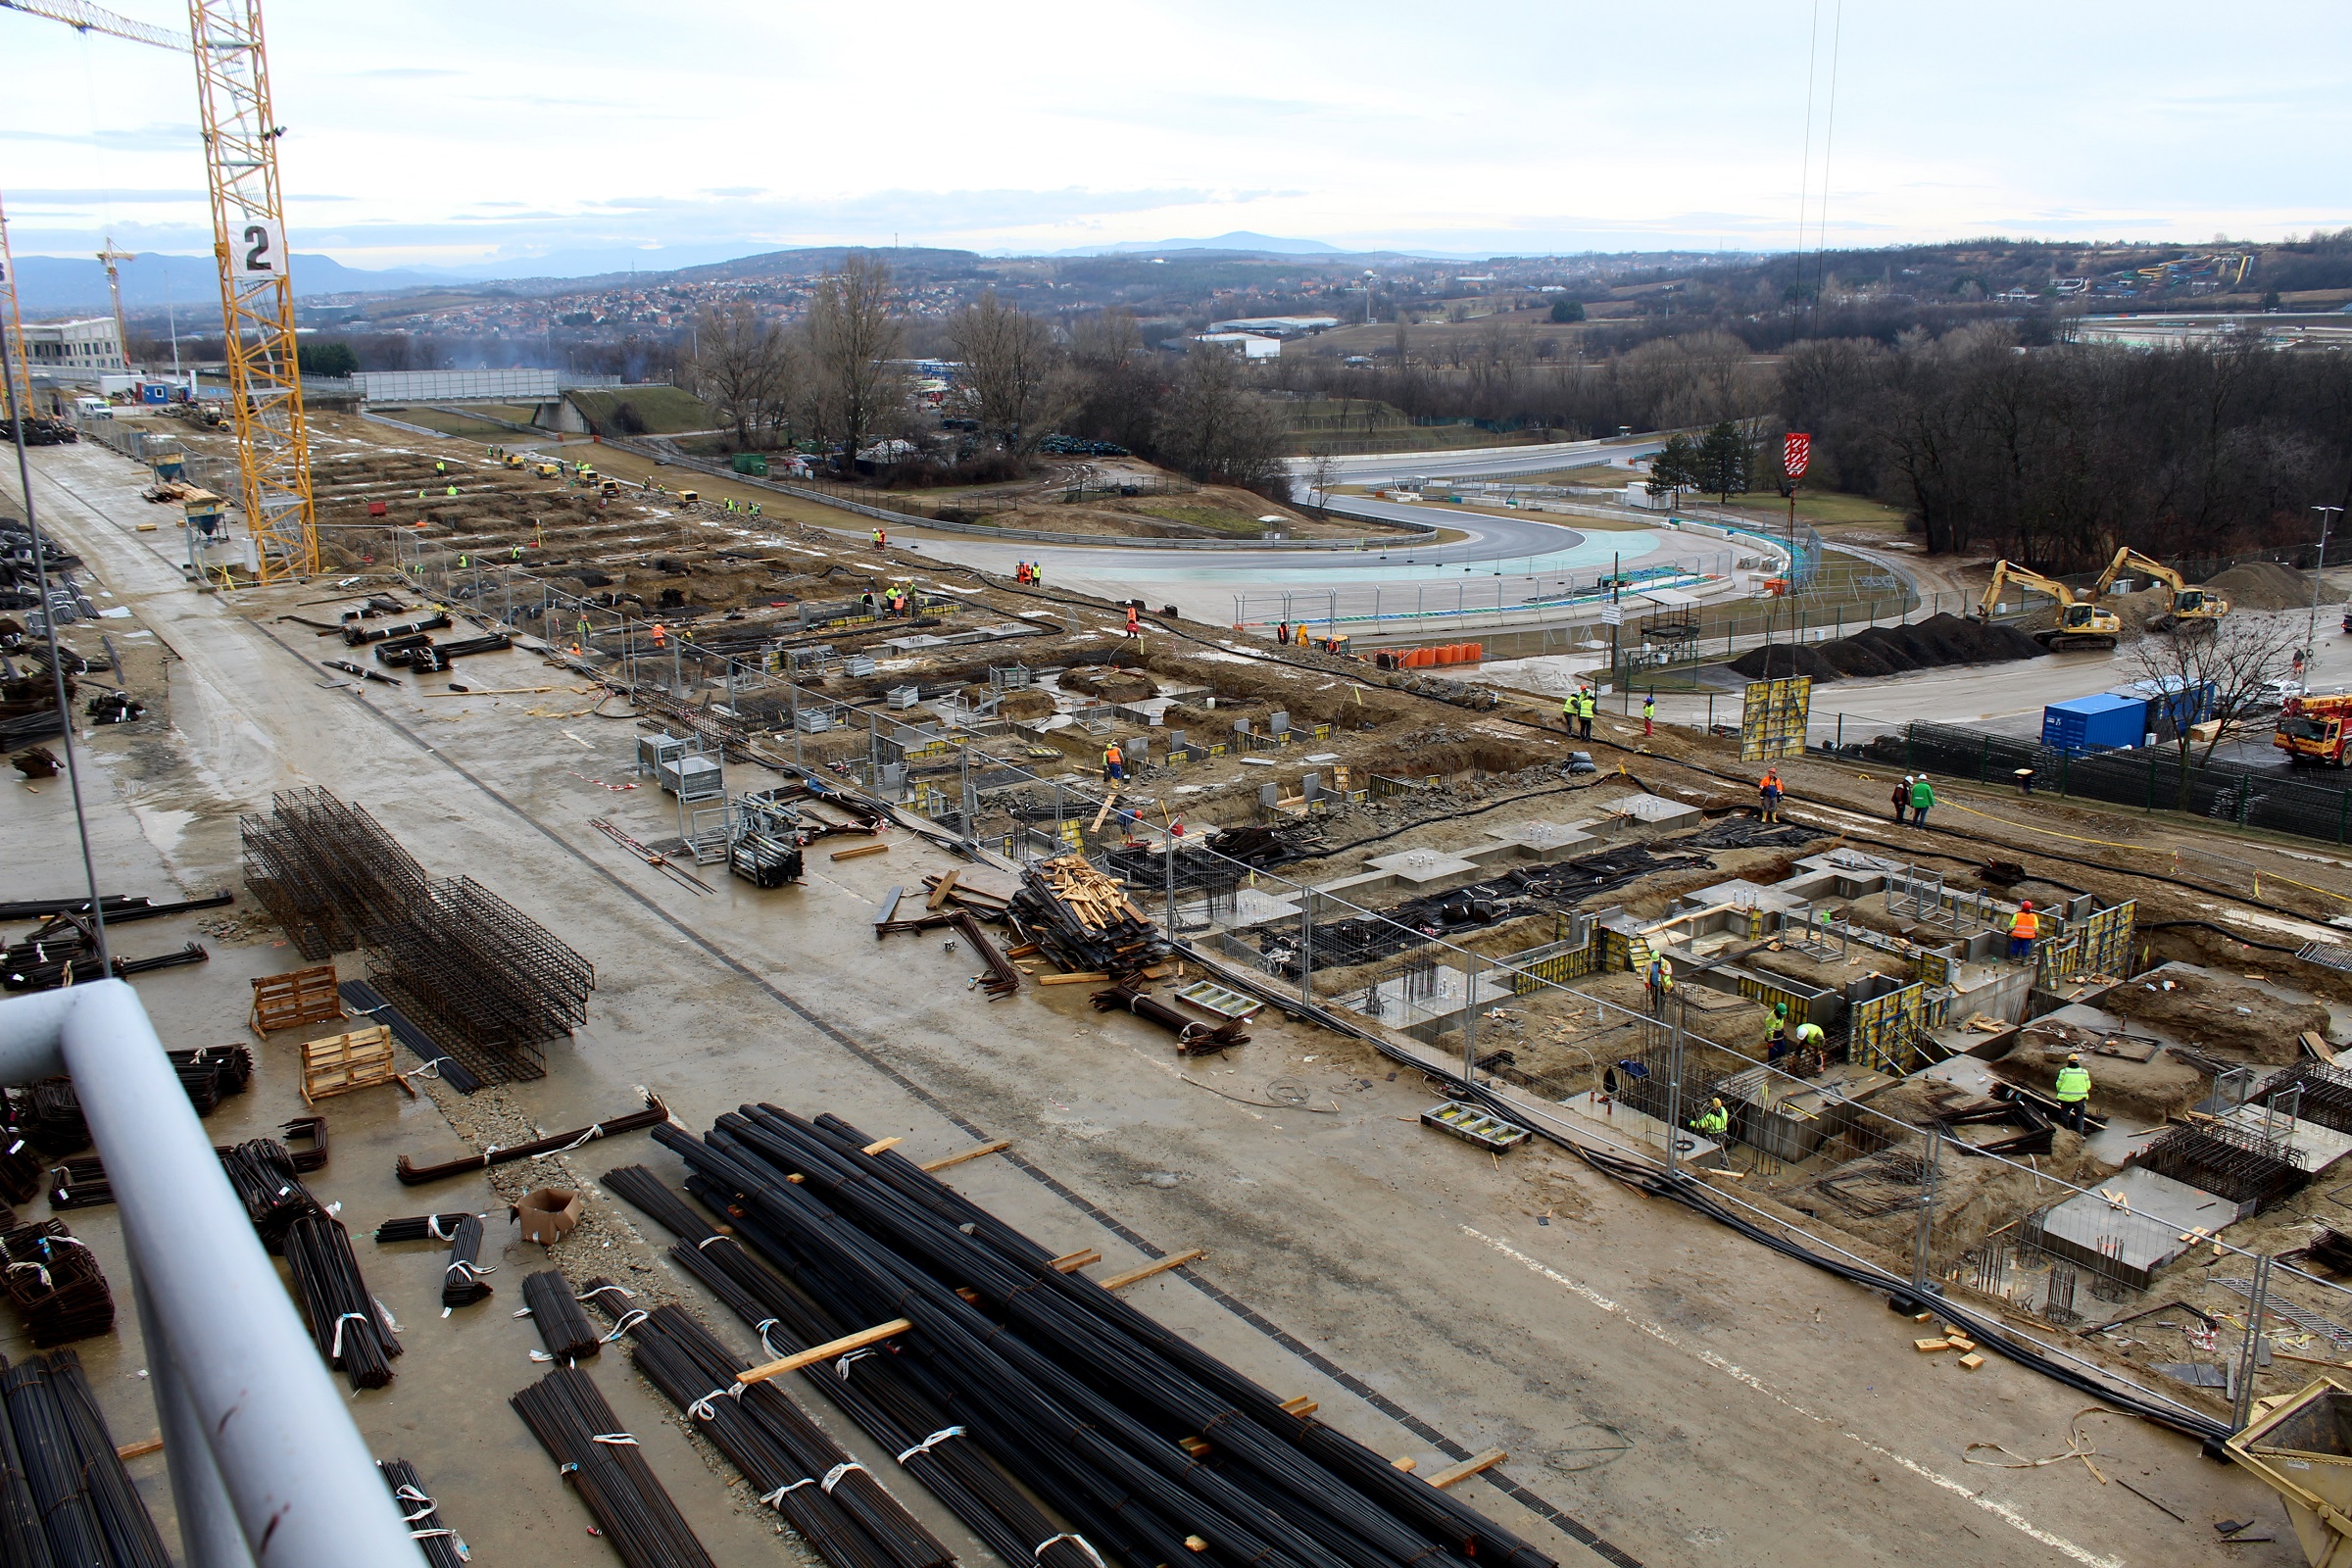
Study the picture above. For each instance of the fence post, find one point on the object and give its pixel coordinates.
(2151, 784)
(1674, 1089)
(2241, 1392)
(1927, 1215)
(1306, 947)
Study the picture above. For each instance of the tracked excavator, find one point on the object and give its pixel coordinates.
(2193, 608)
(2081, 623)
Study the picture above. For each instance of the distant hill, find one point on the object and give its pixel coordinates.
(1239, 239)
(70, 285)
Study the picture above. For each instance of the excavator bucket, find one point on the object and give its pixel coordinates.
(2303, 1448)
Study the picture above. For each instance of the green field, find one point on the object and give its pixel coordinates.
(662, 409)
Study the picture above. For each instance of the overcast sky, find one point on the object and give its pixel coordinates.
(436, 133)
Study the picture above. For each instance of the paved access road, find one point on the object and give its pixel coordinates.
(1384, 468)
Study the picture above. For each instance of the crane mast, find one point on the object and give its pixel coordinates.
(257, 293)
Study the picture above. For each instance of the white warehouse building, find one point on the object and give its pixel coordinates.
(1249, 345)
(85, 345)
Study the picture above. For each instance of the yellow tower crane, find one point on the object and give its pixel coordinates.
(249, 241)
(16, 387)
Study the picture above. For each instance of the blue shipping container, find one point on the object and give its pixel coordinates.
(2103, 722)
(2181, 700)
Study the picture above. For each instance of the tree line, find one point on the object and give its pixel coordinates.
(836, 380)
(2056, 457)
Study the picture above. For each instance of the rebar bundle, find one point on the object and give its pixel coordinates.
(440, 1545)
(563, 1327)
(2227, 1161)
(365, 1000)
(1137, 1436)
(837, 1506)
(344, 1319)
(54, 1284)
(130, 1536)
(262, 1172)
(579, 1430)
(461, 1277)
(81, 1183)
(419, 1228)
(1194, 1038)
(653, 1114)
(874, 1390)
(357, 635)
(87, 965)
(53, 1474)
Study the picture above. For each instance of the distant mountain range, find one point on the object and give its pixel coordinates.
(1241, 239)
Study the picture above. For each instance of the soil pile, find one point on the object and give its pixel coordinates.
(2263, 585)
(1935, 643)
(2215, 1012)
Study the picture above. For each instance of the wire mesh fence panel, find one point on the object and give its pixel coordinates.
(2151, 778)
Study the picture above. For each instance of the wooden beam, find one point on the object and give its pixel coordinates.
(1302, 1406)
(994, 1146)
(1071, 979)
(1467, 1468)
(1159, 1265)
(1097, 825)
(1407, 1462)
(826, 1351)
(139, 1450)
(863, 849)
(1072, 1263)
(880, 1144)
(947, 885)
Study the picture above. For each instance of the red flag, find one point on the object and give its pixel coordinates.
(1796, 451)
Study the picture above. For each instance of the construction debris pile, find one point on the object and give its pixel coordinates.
(1150, 1449)
(494, 981)
(1083, 919)
(53, 1281)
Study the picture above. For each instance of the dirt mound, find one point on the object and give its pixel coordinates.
(1935, 643)
(2218, 1013)
(2263, 585)
(1110, 683)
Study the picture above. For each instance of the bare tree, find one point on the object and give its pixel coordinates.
(1321, 475)
(1215, 429)
(854, 335)
(1019, 386)
(2214, 675)
(740, 366)
(1121, 382)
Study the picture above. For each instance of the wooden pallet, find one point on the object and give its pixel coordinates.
(337, 1064)
(297, 997)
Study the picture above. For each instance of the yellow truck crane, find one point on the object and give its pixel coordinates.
(2081, 623)
(2193, 608)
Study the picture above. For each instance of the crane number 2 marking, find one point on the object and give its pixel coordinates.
(258, 250)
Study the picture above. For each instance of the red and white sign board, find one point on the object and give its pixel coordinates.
(1796, 451)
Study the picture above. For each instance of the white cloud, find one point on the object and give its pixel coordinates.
(461, 131)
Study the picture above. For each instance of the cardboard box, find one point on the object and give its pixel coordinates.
(548, 1214)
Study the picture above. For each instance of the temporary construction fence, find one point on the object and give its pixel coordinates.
(2150, 778)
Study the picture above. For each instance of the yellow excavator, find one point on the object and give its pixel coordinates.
(2081, 623)
(2193, 608)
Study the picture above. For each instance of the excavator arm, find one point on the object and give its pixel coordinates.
(2005, 572)
(2148, 565)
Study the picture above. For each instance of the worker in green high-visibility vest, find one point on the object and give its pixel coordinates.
(2073, 1092)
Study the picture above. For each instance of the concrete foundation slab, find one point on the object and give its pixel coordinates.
(1656, 811)
(2133, 1225)
(1425, 869)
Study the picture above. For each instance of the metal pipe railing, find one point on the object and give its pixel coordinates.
(251, 1416)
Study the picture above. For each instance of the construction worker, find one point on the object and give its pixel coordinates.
(1114, 765)
(1036, 574)
(1775, 1035)
(1767, 791)
(1713, 1122)
(1649, 714)
(1923, 796)
(1660, 980)
(439, 467)
(1585, 706)
(2073, 1092)
(453, 489)
(1902, 797)
(1568, 716)
(661, 635)
(881, 540)
(1812, 1048)
(865, 601)
(1282, 635)
(2024, 927)
(1134, 627)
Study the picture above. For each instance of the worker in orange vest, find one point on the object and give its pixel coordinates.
(2024, 929)
(661, 635)
(1115, 766)
(1134, 627)
(1768, 790)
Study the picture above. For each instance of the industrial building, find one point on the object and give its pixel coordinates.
(77, 348)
